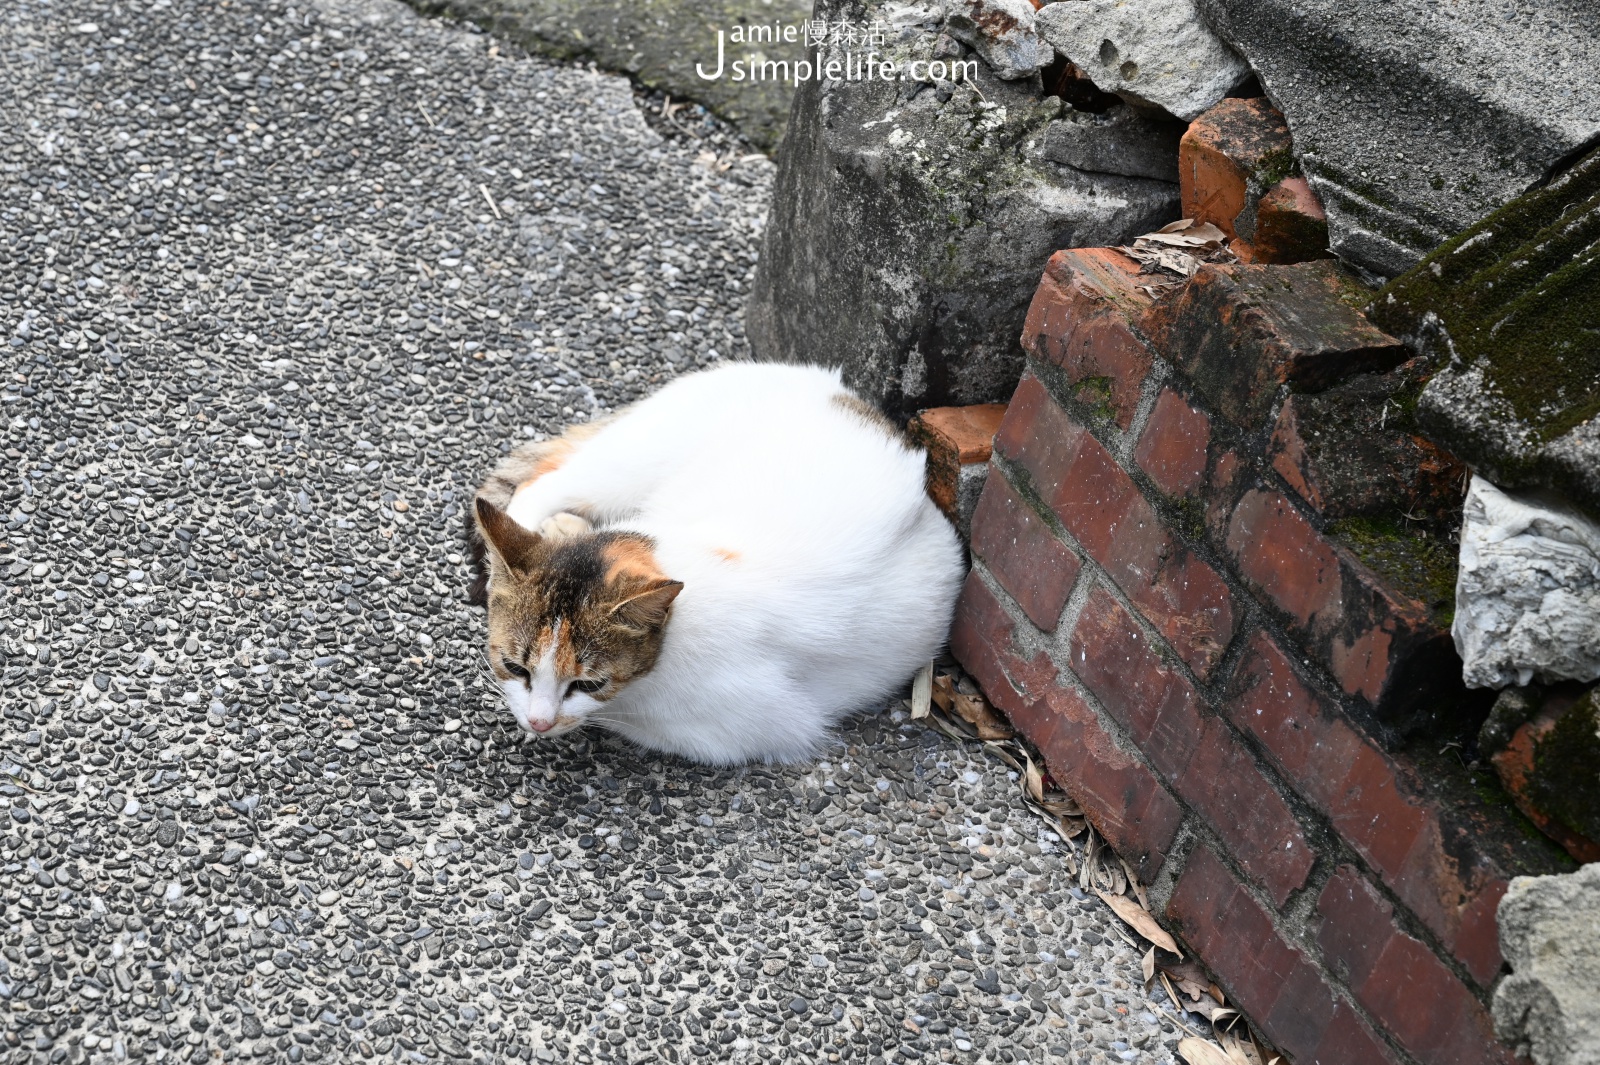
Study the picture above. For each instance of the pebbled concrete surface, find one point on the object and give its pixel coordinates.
(262, 330)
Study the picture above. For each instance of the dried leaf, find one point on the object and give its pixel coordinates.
(943, 687)
(1243, 1048)
(1133, 881)
(1199, 1052)
(1216, 992)
(1176, 227)
(1148, 966)
(974, 710)
(1223, 1013)
(1141, 922)
(1177, 1004)
(1033, 780)
(1071, 827)
(922, 692)
(1062, 805)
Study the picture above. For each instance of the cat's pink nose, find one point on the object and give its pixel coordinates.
(541, 726)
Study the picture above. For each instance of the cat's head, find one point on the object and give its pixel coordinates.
(572, 619)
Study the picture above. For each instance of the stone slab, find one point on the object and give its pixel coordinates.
(1509, 309)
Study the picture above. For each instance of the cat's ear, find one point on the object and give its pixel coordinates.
(647, 608)
(510, 546)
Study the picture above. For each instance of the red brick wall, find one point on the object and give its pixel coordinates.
(1156, 602)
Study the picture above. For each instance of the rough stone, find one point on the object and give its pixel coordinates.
(1154, 53)
(1544, 742)
(659, 43)
(1510, 312)
(1120, 140)
(1528, 590)
(910, 225)
(1546, 1009)
(1002, 32)
(1413, 119)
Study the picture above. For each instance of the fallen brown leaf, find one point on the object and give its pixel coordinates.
(1133, 881)
(1148, 966)
(974, 710)
(1141, 921)
(1033, 780)
(943, 687)
(1199, 1052)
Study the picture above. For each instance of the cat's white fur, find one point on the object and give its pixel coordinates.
(817, 575)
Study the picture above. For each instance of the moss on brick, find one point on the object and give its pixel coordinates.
(1418, 562)
(1566, 772)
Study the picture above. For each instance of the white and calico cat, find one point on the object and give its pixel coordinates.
(723, 571)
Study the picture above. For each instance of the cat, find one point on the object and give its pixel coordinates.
(723, 571)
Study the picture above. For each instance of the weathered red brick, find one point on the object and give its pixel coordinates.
(1379, 643)
(1348, 1039)
(1240, 332)
(1175, 444)
(954, 437)
(1083, 319)
(1034, 567)
(1349, 452)
(1267, 977)
(1122, 798)
(1098, 503)
(1228, 158)
(1195, 751)
(1442, 876)
(980, 634)
(1291, 226)
(1398, 979)
(1548, 764)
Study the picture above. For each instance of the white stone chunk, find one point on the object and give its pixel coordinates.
(1528, 591)
(1154, 53)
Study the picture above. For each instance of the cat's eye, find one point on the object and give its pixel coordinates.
(587, 687)
(516, 669)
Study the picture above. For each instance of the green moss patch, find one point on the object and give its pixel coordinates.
(1519, 295)
(1421, 563)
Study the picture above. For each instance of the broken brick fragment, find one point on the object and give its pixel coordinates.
(1228, 160)
(958, 441)
(1291, 226)
(1545, 745)
(1353, 451)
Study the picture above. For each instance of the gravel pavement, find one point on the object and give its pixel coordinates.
(277, 285)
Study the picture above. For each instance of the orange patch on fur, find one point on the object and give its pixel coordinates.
(630, 558)
(566, 656)
(551, 459)
(727, 555)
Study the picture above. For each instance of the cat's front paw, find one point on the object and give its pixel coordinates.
(563, 525)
